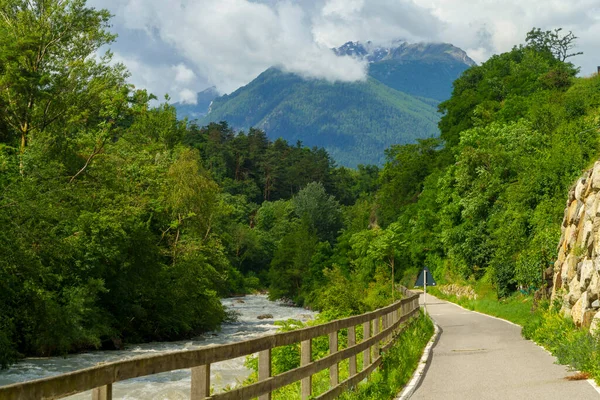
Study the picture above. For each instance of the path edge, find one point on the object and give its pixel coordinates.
(419, 372)
(590, 381)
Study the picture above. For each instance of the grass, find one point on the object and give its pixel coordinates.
(398, 365)
(571, 345)
(516, 308)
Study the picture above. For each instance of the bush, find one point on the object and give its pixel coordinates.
(572, 346)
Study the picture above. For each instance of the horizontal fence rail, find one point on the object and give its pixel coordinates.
(379, 328)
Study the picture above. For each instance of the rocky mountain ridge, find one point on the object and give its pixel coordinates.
(404, 51)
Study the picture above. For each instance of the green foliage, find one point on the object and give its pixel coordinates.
(403, 176)
(518, 130)
(291, 263)
(553, 42)
(398, 365)
(261, 170)
(515, 308)
(571, 345)
(51, 82)
(113, 228)
(318, 211)
(354, 122)
(493, 90)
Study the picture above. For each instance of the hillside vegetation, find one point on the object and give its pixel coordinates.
(422, 69)
(354, 122)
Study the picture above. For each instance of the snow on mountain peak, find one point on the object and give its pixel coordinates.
(402, 50)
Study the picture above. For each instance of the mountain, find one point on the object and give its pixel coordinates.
(420, 69)
(354, 122)
(202, 106)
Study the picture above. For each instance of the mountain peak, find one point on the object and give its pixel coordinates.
(401, 50)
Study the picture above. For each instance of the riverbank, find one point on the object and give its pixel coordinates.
(172, 385)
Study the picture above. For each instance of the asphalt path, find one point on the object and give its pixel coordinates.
(481, 357)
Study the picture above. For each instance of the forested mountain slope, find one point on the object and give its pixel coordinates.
(354, 122)
(420, 69)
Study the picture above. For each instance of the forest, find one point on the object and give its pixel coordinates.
(122, 223)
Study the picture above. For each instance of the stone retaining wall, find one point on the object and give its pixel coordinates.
(576, 279)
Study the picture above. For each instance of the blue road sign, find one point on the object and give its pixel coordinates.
(421, 279)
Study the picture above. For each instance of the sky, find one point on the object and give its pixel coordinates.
(181, 47)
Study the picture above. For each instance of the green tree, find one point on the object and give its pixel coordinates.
(50, 74)
(554, 41)
(319, 211)
(401, 180)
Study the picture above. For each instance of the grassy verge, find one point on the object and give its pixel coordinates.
(571, 345)
(399, 363)
(516, 308)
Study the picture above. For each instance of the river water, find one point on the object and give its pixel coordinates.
(170, 385)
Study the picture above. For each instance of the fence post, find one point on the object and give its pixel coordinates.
(334, 369)
(305, 358)
(102, 393)
(264, 370)
(376, 345)
(367, 352)
(200, 382)
(384, 325)
(352, 342)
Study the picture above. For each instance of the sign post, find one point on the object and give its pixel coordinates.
(425, 292)
(425, 279)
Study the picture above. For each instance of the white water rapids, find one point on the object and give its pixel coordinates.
(176, 384)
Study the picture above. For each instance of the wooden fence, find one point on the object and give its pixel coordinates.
(379, 328)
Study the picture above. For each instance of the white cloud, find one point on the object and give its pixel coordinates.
(156, 78)
(187, 96)
(380, 21)
(180, 45)
(506, 23)
(183, 74)
(230, 42)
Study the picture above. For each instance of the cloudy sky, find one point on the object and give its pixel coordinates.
(181, 47)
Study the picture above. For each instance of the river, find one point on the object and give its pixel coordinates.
(170, 385)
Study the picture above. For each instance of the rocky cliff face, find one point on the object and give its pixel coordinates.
(576, 280)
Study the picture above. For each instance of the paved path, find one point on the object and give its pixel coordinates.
(478, 357)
